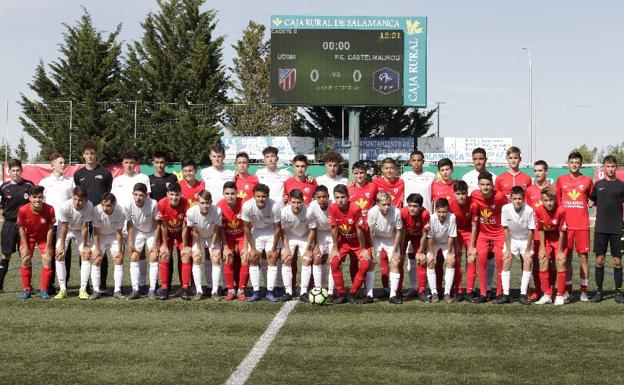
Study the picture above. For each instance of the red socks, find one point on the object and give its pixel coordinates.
(26, 275)
(545, 282)
(471, 275)
(561, 282)
(163, 267)
(244, 277)
(457, 279)
(187, 271)
(384, 270)
(228, 275)
(363, 264)
(421, 278)
(337, 274)
(46, 276)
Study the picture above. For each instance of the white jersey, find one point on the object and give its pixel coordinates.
(384, 225)
(124, 184)
(215, 179)
(518, 223)
(204, 224)
(418, 184)
(472, 180)
(74, 218)
(298, 226)
(108, 224)
(275, 180)
(57, 190)
(261, 219)
(142, 218)
(330, 183)
(440, 232)
(320, 216)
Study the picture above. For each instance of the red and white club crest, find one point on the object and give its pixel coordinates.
(367, 195)
(350, 221)
(396, 190)
(43, 220)
(287, 78)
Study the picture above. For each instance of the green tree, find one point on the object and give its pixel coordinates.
(175, 74)
(252, 114)
(5, 150)
(616, 150)
(589, 155)
(21, 152)
(86, 73)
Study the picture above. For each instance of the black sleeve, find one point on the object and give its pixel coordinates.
(109, 181)
(593, 196)
(77, 178)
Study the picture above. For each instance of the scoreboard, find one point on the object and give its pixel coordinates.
(348, 61)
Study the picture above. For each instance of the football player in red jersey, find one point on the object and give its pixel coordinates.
(171, 215)
(442, 188)
(573, 192)
(533, 197)
(300, 181)
(245, 182)
(551, 223)
(486, 229)
(190, 186)
(513, 176)
(36, 225)
(461, 206)
(234, 246)
(347, 230)
(390, 181)
(416, 224)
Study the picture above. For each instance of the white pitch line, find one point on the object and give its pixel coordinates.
(244, 369)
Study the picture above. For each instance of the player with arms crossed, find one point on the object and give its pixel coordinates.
(518, 222)
(416, 220)
(108, 223)
(261, 221)
(386, 229)
(551, 224)
(36, 227)
(347, 230)
(298, 235)
(440, 240)
(608, 196)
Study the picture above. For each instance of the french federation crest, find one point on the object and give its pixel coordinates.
(287, 78)
(386, 80)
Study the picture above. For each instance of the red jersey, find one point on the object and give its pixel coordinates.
(552, 222)
(488, 213)
(533, 195)
(364, 197)
(573, 194)
(232, 223)
(36, 225)
(463, 215)
(414, 226)
(306, 188)
(440, 190)
(347, 223)
(506, 181)
(190, 193)
(173, 216)
(244, 187)
(396, 189)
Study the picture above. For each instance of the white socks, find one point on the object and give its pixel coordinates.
(118, 277)
(330, 280)
(197, 277)
(411, 269)
(95, 276)
(524, 283)
(370, 283)
(394, 283)
(448, 279)
(135, 273)
(216, 277)
(317, 273)
(85, 270)
(506, 280)
(153, 275)
(306, 272)
(431, 278)
(287, 275)
(254, 277)
(271, 277)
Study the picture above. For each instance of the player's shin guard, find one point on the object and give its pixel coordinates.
(306, 272)
(254, 276)
(271, 277)
(26, 276)
(228, 275)
(187, 271)
(118, 277)
(243, 277)
(330, 280)
(287, 275)
(197, 278)
(524, 282)
(421, 271)
(370, 283)
(471, 275)
(617, 276)
(317, 274)
(46, 277)
(61, 274)
(384, 269)
(153, 275)
(546, 283)
(449, 275)
(506, 281)
(216, 276)
(561, 282)
(482, 267)
(164, 274)
(95, 277)
(431, 278)
(85, 272)
(4, 268)
(336, 268)
(394, 283)
(360, 277)
(135, 273)
(411, 269)
(584, 284)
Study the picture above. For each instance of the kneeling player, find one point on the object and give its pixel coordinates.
(261, 221)
(440, 239)
(298, 235)
(552, 230)
(108, 224)
(204, 220)
(519, 224)
(36, 224)
(74, 217)
(347, 229)
(386, 227)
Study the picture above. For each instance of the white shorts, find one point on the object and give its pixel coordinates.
(206, 243)
(141, 238)
(301, 244)
(438, 247)
(325, 241)
(383, 243)
(263, 240)
(71, 234)
(108, 241)
(518, 247)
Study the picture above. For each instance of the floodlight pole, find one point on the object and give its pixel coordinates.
(354, 138)
(71, 126)
(531, 118)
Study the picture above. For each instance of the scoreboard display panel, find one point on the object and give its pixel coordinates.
(348, 61)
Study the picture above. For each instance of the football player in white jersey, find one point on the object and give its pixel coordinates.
(332, 178)
(261, 220)
(386, 228)
(216, 175)
(518, 220)
(143, 234)
(273, 177)
(298, 236)
(74, 216)
(440, 239)
(108, 223)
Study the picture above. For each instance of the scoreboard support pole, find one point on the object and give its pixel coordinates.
(354, 138)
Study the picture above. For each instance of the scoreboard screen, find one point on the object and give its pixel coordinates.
(348, 61)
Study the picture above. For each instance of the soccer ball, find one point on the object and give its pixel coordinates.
(317, 296)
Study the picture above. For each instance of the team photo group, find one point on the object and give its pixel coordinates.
(292, 233)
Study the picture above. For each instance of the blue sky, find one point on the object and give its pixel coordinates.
(476, 64)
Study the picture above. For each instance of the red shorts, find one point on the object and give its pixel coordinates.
(485, 245)
(175, 242)
(346, 249)
(579, 239)
(551, 249)
(464, 238)
(415, 243)
(41, 245)
(236, 244)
